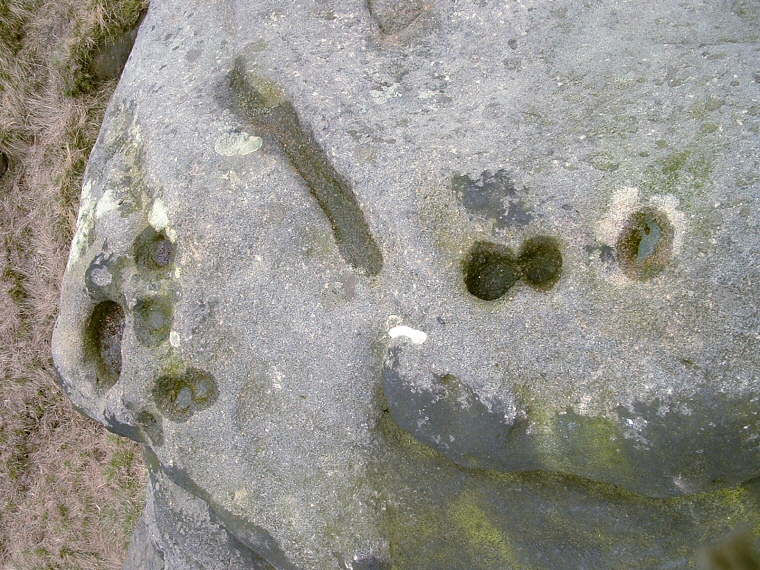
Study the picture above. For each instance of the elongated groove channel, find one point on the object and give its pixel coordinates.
(265, 106)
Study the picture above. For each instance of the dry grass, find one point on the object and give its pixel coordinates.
(69, 492)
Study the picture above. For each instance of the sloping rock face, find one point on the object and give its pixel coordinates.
(428, 284)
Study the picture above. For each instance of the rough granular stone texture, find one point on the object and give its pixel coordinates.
(429, 284)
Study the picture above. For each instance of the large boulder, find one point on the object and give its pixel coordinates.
(428, 284)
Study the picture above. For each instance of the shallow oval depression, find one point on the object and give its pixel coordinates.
(153, 318)
(645, 245)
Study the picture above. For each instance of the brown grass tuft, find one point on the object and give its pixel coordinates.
(69, 492)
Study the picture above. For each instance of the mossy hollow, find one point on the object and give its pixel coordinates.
(179, 396)
(490, 270)
(645, 245)
(153, 250)
(541, 262)
(103, 342)
(153, 320)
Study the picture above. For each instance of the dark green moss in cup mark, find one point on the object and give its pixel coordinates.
(645, 245)
(103, 342)
(490, 270)
(153, 320)
(153, 250)
(541, 262)
(264, 104)
(180, 396)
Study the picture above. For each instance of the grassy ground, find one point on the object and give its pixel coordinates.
(70, 493)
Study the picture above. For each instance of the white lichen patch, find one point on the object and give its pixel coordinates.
(85, 224)
(159, 215)
(624, 203)
(237, 144)
(106, 203)
(669, 204)
(381, 96)
(174, 339)
(417, 337)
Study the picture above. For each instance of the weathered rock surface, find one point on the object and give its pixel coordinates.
(428, 284)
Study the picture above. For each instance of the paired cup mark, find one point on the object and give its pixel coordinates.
(644, 248)
(490, 269)
(179, 396)
(152, 250)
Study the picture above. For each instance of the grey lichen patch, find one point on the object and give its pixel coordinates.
(179, 396)
(153, 318)
(490, 270)
(392, 16)
(492, 196)
(263, 103)
(121, 171)
(153, 251)
(645, 244)
(102, 338)
(237, 144)
(540, 261)
(103, 277)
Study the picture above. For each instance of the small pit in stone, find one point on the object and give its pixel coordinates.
(645, 245)
(153, 250)
(153, 320)
(541, 262)
(180, 396)
(103, 342)
(490, 270)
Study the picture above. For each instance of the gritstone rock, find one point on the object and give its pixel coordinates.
(428, 284)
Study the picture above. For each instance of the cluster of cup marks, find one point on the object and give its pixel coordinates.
(177, 396)
(643, 248)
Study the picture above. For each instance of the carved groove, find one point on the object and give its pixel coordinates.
(264, 105)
